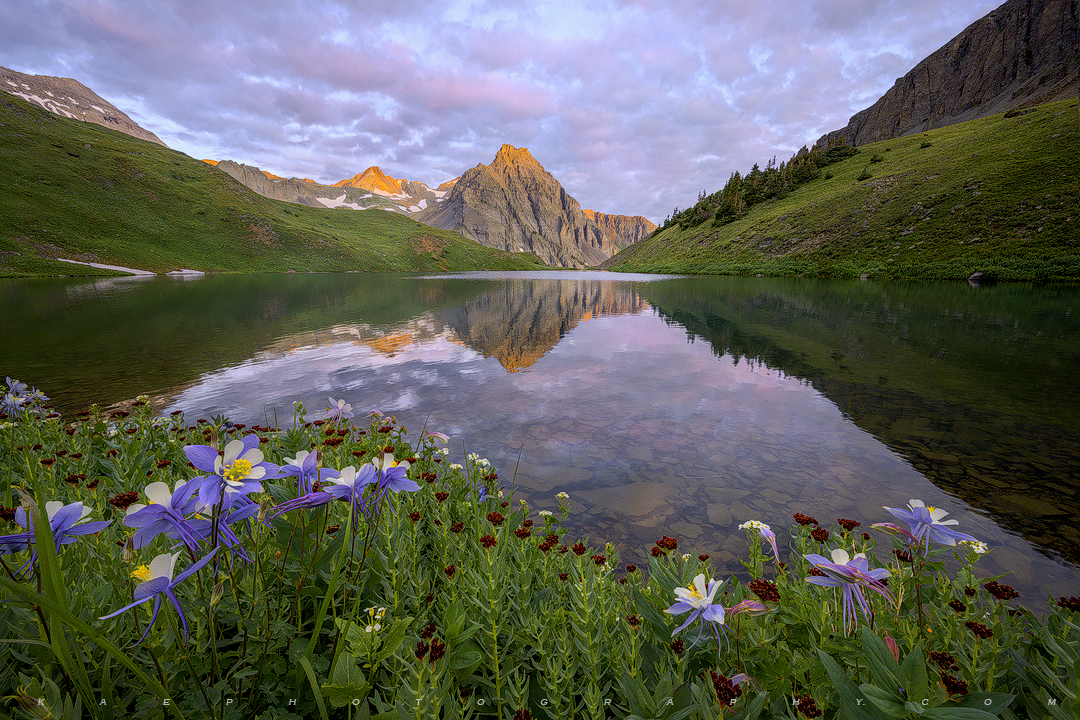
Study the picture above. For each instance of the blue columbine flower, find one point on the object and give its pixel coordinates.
(68, 523)
(391, 477)
(347, 487)
(236, 471)
(338, 410)
(852, 574)
(926, 524)
(18, 400)
(305, 467)
(157, 581)
(698, 599)
(165, 514)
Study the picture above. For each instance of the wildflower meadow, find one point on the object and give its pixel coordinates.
(349, 567)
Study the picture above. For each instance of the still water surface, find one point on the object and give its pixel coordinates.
(662, 405)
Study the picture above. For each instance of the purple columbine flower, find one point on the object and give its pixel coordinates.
(165, 514)
(305, 467)
(202, 524)
(238, 470)
(348, 486)
(391, 477)
(698, 599)
(157, 581)
(926, 524)
(852, 574)
(67, 523)
(338, 410)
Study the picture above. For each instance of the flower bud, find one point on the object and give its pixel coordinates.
(129, 550)
(217, 592)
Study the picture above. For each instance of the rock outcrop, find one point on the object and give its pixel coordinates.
(1022, 54)
(623, 230)
(514, 204)
(71, 99)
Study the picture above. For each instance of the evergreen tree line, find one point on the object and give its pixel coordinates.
(743, 191)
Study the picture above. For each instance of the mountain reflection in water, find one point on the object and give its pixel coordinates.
(679, 406)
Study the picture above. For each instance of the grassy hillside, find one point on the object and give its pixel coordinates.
(997, 195)
(79, 191)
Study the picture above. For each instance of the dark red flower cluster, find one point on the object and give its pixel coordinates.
(438, 649)
(386, 429)
(332, 529)
(669, 544)
(449, 570)
(523, 714)
(957, 606)
(808, 707)
(414, 516)
(815, 572)
(766, 590)
(428, 477)
(441, 495)
(421, 649)
(523, 532)
(677, 647)
(726, 691)
(631, 568)
(163, 463)
(820, 534)
(599, 559)
(428, 631)
(902, 555)
(456, 527)
(332, 442)
(953, 686)
(979, 629)
(969, 591)
(703, 557)
(563, 576)
(75, 456)
(546, 545)
(93, 483)
(944, 660)
(47, 462)
(488, 541)
(7, 513)
(1000, 591)
(847, 524)
(74, 479)
(122, 500)
(579, 548)
(359, 453)
(495, 518)
(634, 620)
(562, 549)
(805, 520)
(1070, 603)
(656, 552)
(527, 523)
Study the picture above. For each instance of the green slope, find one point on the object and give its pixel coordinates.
(998, 195)
(79, 191)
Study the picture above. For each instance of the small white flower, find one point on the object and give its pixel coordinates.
(546, 513)
(754, 525)
(500, 493)
(443, 451)
(686, 556)
(472, 457)
(455, 466)
(562, 496)
(978, 546)
(373, 628)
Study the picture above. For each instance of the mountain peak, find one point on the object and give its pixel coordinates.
(373, 179)
(509, 155)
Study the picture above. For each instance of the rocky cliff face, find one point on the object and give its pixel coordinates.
(1023, 53)
(71, 99)
(622, 230)
(515, 204)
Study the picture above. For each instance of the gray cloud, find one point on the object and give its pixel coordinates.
(635, 106)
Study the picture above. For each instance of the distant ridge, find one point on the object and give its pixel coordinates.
(71, 99)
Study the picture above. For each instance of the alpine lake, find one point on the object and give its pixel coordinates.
(662, 405)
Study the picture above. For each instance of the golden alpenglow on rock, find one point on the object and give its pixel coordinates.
(515, 204)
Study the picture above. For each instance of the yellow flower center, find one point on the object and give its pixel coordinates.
(694, 592)
(239, 470)
(142, 573)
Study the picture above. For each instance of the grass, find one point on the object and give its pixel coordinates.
(996, 195)
(79, 191)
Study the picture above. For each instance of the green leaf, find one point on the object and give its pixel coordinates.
(990, 703)
(305, 665)
(348, 683)
(913, 675)
(850, 696)
(882, 664)
(888, 702)
(393, 637)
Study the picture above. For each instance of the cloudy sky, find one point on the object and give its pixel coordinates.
(635, 106)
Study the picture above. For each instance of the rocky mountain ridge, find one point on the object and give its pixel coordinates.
(514, 204)
(71, 99)
(1022, 54)
(622, 230)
